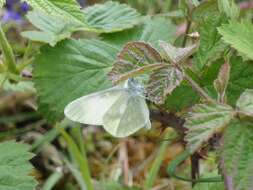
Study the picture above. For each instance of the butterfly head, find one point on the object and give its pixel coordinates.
(135, 87)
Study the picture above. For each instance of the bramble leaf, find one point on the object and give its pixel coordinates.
(53, 28)
(77, 68)
(229, 8)
(239, 36)
(203, 121)
(177, 55)
(162, 82)
(111, 17)
(151, 31)
(237, 156)
(67, 9)
(132, 60)
(211, 46)
(245, 102)
(15, 167)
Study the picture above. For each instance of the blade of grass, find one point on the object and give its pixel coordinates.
(170, 136)
(9, 59)
(80, 160)
(48, 137)
(53, 179)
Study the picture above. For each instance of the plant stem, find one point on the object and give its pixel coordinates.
(9, 58)
(198, 89)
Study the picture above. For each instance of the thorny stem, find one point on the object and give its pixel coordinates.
(9, 58)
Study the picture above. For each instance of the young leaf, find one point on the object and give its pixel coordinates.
(239, 36)
(177, 55)
(151, 31)
(15, 167)
(237, 156)
(68, 9)
(245, 102)
(134, 59)
(162, 82)
(53, 28)
(221, 83)
(211, 46)
(204, 121)
(77, 68)
(111, 17)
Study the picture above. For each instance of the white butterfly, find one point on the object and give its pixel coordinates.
(122, 110)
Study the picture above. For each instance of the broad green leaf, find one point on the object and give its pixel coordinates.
(151, 31)
(239, 36)
(132, 60)
(15, 167)
(177, 55)
(245, 102)
(68, 9)
(182, 97)
(162, 82)
(203, 121)
(70, 70)
(204, 10)
(229, 8)
(211, 46)
(111, 17)
(53, 28)
(237, 156)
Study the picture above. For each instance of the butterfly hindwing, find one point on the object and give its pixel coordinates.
(127, 115)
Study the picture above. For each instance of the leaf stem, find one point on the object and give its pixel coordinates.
(198, 89)
(9, 58)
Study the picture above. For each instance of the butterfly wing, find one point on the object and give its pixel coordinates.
(90, 109)
(127, 115)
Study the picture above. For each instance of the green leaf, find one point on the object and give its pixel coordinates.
(177, 55)
(15, 167)
(203, 121)
(77, 68)
(237, 156)
(111, 17)
(53, 28)
(229, 8)
(132, 59)
(204, 10)
(239, 36)
(151, 31)
(182, 97)
(245, 102)
(67, 9)
(162, 82)
(211, 46)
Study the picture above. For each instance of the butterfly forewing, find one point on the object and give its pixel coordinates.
(91, 109)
